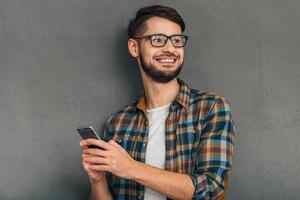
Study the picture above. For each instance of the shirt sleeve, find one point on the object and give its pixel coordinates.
(215, 152)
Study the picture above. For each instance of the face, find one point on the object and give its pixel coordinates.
(161, 64)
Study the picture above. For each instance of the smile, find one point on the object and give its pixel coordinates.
(166, 60)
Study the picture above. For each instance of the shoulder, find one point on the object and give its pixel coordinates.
(207, 102)
(126, 113)
(208, 98)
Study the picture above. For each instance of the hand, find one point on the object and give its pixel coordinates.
(111, 158)
(94, 176)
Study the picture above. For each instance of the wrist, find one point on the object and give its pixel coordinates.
(135, 170)
(101, 182)
(99, 189)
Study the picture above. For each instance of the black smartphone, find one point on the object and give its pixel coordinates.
(88, 132)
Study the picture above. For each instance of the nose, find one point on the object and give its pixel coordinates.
(169, 46)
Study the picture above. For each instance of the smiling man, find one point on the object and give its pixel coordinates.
(172, 143)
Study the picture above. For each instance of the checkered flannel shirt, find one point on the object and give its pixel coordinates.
(199, 134)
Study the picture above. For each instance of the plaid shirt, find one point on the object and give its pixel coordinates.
(199, 141)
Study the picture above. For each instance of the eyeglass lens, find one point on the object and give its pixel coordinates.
(161, 40)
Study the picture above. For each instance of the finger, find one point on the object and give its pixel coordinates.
(85, 142)
(97, 152)
(86, 167)
(84, 147)
(99, 143)
(94, 171)
(82, 144)
(96, 160)
(105, 168)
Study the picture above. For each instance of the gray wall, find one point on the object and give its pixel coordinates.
(65, 63)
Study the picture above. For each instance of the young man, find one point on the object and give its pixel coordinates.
(174, 142)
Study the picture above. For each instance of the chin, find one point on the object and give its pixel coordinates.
(174, 66)
(170, 66)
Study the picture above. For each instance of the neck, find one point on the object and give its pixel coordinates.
(160, 94)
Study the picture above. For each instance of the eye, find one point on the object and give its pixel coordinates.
(157, 39)
(177, 40)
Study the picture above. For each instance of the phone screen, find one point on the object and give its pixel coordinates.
(87, 132)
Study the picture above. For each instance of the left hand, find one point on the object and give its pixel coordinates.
(111, 158)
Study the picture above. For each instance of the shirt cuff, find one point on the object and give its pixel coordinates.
(200, 185)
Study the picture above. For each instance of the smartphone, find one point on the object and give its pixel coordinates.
(88, 132)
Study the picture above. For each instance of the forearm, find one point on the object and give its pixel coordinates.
(100, 191)
(171, 184)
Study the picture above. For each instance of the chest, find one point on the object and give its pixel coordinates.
(181, 135)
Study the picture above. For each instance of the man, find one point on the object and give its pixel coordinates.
(174, 142)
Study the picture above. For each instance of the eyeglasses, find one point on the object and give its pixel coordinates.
(160, 40)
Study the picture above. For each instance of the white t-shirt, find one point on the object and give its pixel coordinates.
(156, 147)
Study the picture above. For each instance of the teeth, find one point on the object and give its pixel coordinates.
(166, 60)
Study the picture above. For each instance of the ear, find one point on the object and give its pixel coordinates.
(133, 47)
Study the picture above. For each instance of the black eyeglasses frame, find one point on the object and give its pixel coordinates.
(168, 38)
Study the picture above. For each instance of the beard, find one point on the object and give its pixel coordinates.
(159, 75)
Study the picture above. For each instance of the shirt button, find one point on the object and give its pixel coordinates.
(140, 197)
(146, 123)
(144, 144)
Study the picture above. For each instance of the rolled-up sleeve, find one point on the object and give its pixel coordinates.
(215, 151)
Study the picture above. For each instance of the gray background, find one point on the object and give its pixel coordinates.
(64, 63)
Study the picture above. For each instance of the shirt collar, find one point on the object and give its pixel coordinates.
(182, 98)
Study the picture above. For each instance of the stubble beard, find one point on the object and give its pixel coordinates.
(159, 75)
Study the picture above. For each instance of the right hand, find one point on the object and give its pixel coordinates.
(94, 176)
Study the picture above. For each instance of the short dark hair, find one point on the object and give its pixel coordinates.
(137, 24)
